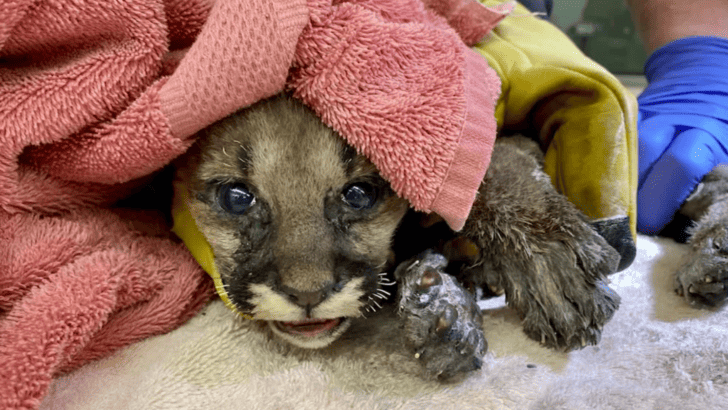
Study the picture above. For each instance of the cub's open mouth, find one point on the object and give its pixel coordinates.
(309, 327)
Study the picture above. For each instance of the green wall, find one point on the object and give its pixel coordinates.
(566, 13)
(603, 29)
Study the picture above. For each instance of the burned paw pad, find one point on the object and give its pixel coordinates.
(442, 322)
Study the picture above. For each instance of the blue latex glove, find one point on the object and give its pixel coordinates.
(682, 123)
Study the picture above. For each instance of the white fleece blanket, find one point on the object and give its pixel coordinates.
(657, 353)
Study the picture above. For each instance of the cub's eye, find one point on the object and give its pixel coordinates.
(359, 196)
(235, 198)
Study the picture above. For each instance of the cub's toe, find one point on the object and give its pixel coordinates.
(442, 322)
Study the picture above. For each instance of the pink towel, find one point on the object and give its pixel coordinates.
(95, 95)
(86, 108)
(400, 85)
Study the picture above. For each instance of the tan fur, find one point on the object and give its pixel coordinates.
(293, 163)
(302, 253)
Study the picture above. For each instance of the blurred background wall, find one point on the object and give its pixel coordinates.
(604, 31)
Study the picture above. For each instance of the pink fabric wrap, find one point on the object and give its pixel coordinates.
(90, 101)
(95, 95)
(395, 80)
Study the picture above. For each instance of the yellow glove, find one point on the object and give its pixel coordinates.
(186, 229)
(585, 119)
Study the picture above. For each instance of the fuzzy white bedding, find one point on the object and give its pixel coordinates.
(657, 353)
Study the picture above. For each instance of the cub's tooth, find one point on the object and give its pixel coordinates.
(708, 279)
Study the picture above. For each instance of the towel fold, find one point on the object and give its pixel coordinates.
(398, 82)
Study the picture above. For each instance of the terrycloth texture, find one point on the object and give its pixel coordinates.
(656, 353)
(399, 84)
(76, 288)
(86, 107)
(95, 95)
(587, 120)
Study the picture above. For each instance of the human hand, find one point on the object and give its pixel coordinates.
(683, 125)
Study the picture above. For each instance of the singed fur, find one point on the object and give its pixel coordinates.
(703, 277)
(300, 252)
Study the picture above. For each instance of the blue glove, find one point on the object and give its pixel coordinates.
(682, 124)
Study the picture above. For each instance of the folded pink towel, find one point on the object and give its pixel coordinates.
(400, 85)
(95, 95)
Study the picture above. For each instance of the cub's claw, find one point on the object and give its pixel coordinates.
(701, 289)
(442, 322)
(579, 321)
(703, 278)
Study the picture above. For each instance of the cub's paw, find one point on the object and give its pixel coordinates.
(533, 244)
(702, 289)
(558, 291)
(703, 278)
(442, 321)
(563, 298)
(569, 320)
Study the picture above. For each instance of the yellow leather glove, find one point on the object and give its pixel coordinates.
(585, 119)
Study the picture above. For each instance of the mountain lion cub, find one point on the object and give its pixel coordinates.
(307, 236)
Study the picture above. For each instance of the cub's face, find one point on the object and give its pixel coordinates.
(300, 224)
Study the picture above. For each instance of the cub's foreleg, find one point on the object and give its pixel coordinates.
(534, 245)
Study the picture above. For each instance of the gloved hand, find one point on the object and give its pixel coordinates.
(682, 123)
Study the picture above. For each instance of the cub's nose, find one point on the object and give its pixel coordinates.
(309, 299)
